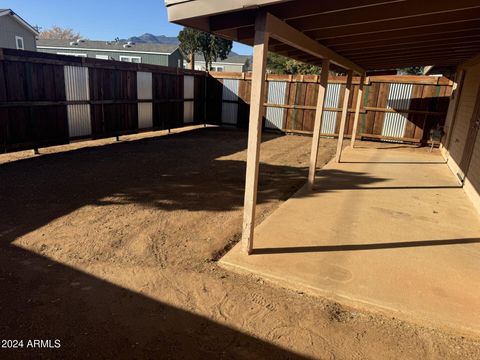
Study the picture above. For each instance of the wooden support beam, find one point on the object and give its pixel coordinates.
(322, 90)
(343, 120)
(285, 33)
(357, 110)
(260, 50)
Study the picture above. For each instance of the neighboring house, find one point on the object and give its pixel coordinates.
(156, 54)
(16, 33)
(233, 63)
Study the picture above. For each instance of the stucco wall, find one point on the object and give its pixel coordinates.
(461, 128)
(464, 112)
(9, 28)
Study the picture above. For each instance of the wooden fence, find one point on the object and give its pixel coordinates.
(401, 108)
(48, 99)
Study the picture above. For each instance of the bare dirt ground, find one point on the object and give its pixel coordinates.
(111, 247)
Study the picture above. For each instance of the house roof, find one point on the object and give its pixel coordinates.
(10, 12)
(107, 46)
(372, 34)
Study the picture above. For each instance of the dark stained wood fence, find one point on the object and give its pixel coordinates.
(422, 102)
(37, 108)
(33, 100)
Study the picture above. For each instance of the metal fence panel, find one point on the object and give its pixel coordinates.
(229, 113)
(329, 118)
(188, 93)
(276, 95)
(399, 98)
(77, 89)
(79, 121)
(188, 107)
(76, 83)
(144, 85)
(229, 109)
(188, 87)
(145, 115)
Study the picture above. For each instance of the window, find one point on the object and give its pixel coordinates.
(72, 54)
(132, 59)
(217, 68)
(103, 57)
(19, 43)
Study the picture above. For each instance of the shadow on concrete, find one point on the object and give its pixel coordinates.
(357, 247)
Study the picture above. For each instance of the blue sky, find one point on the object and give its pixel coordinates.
(101, 19)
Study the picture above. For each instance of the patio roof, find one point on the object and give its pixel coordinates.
(357, 35)
(372, 34)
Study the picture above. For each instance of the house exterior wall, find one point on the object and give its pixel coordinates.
(175, 59)
(460, 129)
(154, 59)
(9, 28)
(228, 67)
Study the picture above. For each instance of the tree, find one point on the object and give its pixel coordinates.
(278, 64)
(412, 70)
(210, 46)
(56, 32)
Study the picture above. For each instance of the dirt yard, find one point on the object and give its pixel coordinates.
(111, 247)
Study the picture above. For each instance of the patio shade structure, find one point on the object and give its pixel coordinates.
(353, 35)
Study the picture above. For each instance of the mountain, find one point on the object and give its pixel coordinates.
(154, 39)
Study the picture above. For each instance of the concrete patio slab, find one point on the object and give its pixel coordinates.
(386, 229)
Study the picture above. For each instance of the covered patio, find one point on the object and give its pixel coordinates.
(389, 227)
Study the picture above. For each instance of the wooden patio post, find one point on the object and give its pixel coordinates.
(322, 90)
(357, 110)
(260, 49)
(343, 120)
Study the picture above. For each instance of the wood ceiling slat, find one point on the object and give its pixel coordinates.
(436, 29)
(414, 42)
(293, 10)
(404, 11)
(459, 44)
(395, 25)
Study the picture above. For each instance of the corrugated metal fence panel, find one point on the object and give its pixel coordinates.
(229, 109)
(276, 95)
(188, 93)
(329, 118)
(145, 115)
(77, 89)
(188, 111)
(76, 83)
(79, 121)
(188, 87)
(144, 85)
(399, 98)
